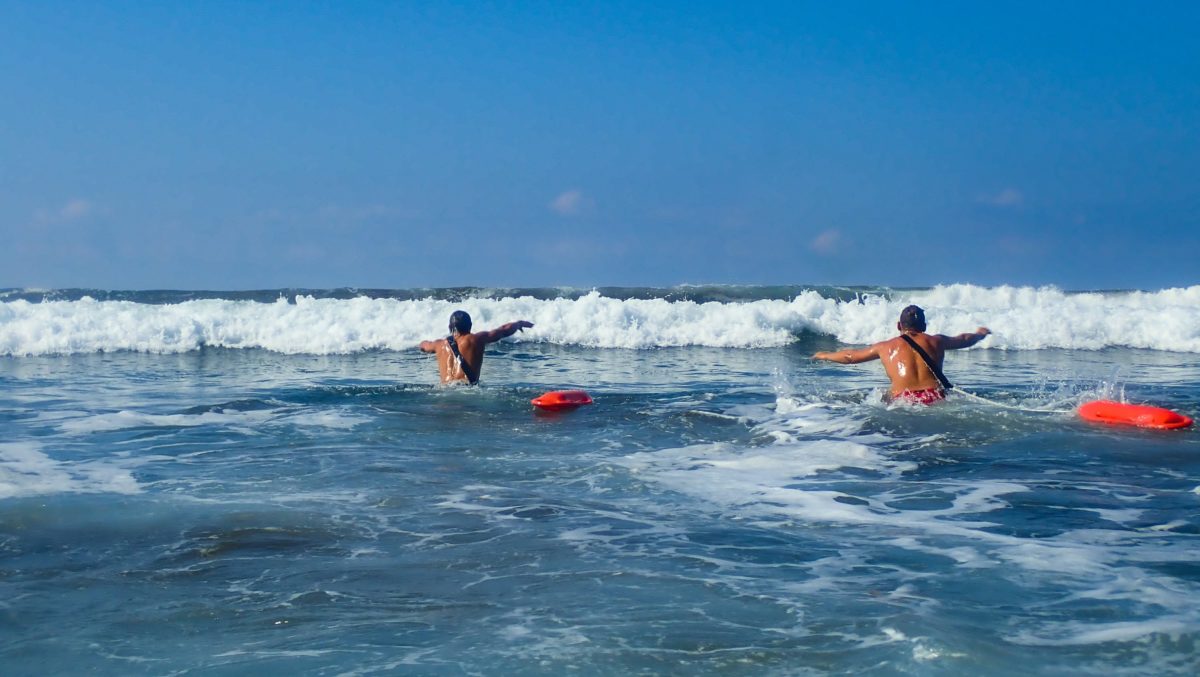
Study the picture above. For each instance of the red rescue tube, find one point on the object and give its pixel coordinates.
(1140, 415)
(562, 399)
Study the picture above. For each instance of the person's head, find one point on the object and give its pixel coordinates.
(912, 318)
(460, 322)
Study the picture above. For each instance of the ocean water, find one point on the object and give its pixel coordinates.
(273, 483)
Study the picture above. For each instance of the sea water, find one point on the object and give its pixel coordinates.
(273, 483)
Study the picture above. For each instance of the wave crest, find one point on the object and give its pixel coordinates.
(1024, 318)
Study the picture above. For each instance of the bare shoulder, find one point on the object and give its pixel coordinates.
(888, 345)
(431, 346)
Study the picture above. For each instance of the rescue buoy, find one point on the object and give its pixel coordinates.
(1140, 415)
(561, 399)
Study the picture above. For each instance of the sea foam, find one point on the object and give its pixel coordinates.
(1022, 318)
(26, 470)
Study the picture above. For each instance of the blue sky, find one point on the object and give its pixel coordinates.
(258, 145)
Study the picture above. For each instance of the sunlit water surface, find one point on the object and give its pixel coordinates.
(716, 511)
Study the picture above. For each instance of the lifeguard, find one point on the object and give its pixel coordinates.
(460, 355)
(912, 360)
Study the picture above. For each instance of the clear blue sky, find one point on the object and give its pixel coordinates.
(257, 145)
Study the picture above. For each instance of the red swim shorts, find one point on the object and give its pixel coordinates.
(927, 396)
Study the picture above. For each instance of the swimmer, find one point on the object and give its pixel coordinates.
(460, 355)
(913, 379)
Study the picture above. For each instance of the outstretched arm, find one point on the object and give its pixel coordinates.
(429, 346)
(965, 340)
(503, 331)
(850, 355)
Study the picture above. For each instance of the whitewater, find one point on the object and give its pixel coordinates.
(1022, 318)
(273, 482)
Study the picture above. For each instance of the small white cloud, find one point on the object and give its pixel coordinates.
(74, 210)
(569, 203)
(1009, 197)
(827, 242)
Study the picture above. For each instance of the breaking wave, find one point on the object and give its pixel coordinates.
(347, 321)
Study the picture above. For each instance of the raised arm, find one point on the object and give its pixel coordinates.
(503, 331)
(964, 340)
(850, 355)
(429, 346)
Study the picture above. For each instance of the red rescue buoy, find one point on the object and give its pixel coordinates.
(561, 399)
(1140, 415)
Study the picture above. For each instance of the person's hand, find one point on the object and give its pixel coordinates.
(522, 325)
(983, 331)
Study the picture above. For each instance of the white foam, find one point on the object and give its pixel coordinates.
(963, 556)
(125, 419)
(762, 480)
(1020, 317)
(803, 455)
(1077, 633)
(1046, 317)
(25, 470)
(334, 419)
(1121, 516)
(1056, 556)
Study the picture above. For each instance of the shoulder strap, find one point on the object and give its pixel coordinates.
(928, 362)
(472, 377)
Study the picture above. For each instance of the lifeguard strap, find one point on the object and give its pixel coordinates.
(472, 377)
(928, 362)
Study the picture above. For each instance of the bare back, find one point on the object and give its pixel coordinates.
(471, 349)
(905, 368)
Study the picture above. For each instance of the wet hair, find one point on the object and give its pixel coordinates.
(912, 317)
(460, 322)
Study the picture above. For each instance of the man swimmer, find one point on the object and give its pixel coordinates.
(460, 355)
(912, 380)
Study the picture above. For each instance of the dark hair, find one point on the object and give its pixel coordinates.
(460, 322)
(912, 317)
